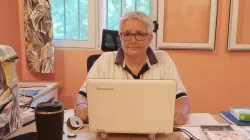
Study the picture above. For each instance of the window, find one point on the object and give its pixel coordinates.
(116, 8)
(75, 21)
(70, 18)
(111, 11)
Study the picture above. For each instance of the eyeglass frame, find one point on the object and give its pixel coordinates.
(146, 34)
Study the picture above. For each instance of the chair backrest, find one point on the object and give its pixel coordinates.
(91, 60)
(110, 40)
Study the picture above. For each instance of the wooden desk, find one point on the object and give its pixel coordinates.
(220, 120)
(85, 134)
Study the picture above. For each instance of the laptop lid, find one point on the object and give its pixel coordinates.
(131, 106)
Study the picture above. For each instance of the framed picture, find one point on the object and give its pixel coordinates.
(239, 26)
(187, 24)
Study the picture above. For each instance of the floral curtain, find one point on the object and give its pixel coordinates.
(38, 36)
(9, 103)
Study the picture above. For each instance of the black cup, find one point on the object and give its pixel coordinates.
(49, 121)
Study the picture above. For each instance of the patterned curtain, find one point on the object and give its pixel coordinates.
(38, 36)
(9, 103)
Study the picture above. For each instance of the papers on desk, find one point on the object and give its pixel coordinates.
(32, 87)
(200, 134)
(197, 119)
(27, 115)
(24, 100)
(27, 92)
(224, 132)
(196, 131)
(26, 96)
(31, 91)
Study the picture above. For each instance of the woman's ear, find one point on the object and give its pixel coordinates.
(150, 38)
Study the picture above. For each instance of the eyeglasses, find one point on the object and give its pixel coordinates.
(138, 36)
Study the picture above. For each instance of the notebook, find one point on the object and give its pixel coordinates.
(230, 118)
(131, 106)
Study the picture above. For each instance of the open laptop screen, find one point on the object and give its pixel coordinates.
(131, 106)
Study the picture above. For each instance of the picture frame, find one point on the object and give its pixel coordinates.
(209, 45)
(233, 40)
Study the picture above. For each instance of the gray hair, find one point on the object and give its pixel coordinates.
(140, 16)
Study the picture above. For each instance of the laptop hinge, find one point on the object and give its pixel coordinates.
(101, 130)
(160, 132)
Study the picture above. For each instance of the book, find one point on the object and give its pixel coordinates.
(242, 114)
(231, 119)
(222, 132)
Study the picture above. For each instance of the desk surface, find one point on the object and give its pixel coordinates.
(87, 135)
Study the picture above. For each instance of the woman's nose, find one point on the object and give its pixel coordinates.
(133, 38)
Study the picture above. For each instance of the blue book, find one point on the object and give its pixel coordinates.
(230, 118)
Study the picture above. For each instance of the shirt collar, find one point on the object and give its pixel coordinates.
(151, 58)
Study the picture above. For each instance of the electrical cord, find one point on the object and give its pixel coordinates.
(191, 136)
(28, 104)
(184, 130)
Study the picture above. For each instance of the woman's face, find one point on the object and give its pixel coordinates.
(135, 37)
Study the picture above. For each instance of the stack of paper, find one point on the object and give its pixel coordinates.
(198, 119)
(223, 132)
(195, 120)
(27, 115)
(24, 100)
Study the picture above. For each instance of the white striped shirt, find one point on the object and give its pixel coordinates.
(160, 66)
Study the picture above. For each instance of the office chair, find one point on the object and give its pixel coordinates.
(110, 42)
(91, 60)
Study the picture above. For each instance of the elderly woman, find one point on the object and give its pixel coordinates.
(136, 60)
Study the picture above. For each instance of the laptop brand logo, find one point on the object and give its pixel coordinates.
(101, 88)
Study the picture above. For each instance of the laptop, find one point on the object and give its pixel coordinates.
(131, 106)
